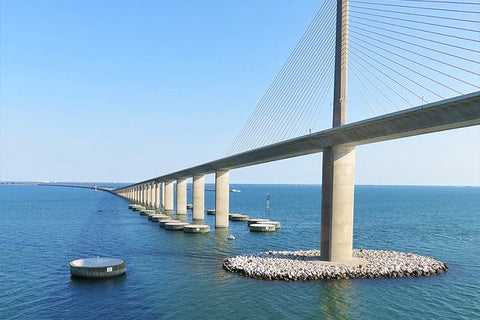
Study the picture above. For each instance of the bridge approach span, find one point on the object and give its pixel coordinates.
(458, 112)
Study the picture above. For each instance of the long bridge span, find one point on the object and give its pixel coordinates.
(337, 143)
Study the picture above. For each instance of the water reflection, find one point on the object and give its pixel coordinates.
(222, 245)
(339, 300)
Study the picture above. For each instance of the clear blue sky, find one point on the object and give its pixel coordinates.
(128, 90)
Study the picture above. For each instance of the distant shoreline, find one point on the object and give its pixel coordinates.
(260, 184)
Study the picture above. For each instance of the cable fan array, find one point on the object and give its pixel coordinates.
(291, 104)
(401, 53)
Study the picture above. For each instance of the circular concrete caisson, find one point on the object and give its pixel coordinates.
(138, 208)
(175, 226)
(257, 227)
(238, 217)
(275, 223)
(162, 223)
(158, 217)
(146, 212)
(155, 217)
(97, 268)
(253, 221)
(165, 218)
(196, 228)
(211, 212)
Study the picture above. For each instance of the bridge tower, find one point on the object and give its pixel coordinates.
(338, 174)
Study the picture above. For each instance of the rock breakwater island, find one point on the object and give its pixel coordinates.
(307, 265)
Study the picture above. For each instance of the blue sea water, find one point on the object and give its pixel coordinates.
(172, 275)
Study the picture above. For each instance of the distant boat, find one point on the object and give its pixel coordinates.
(231, 237)
(236, 190)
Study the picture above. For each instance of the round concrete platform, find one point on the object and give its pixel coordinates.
(238, 217)
(146, 212)
(211, 212)
(255, 220)
(164, 218)
(138, 208)
(257, 227)
(97, 268)
(196, 228)
(157, 217)
(275, 223)
(175, 226)
(162, 223)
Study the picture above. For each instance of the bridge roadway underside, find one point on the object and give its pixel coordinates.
(462, 111)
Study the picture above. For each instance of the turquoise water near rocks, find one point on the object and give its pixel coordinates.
(172, 275)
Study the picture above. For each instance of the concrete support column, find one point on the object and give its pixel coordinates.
(182, 196)
(144, 194)
(162, 196)
(338, 182)
(169, 196)
(151, 195)
(148, 194)
(222, 198)
(199, 197)
(156, 196)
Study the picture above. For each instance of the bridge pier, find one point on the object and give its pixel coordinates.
(169, 196)
(149, 195)
(144, 194)
(199, 197)
(155, 196)
(182, 196)
(222, 198)
(152, 195)
(338, 185)
(162, 196)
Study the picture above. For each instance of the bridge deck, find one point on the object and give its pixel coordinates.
(452, 113)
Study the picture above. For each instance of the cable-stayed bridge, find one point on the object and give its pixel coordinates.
(413, 65)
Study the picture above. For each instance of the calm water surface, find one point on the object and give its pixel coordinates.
(172, 275)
